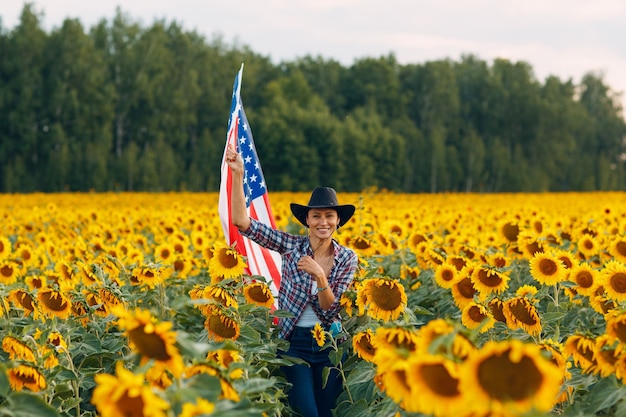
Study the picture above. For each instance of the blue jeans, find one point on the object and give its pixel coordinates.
(306, 395)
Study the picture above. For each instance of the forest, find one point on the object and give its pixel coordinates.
(123, 106)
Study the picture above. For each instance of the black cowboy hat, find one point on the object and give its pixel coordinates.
(322, 198)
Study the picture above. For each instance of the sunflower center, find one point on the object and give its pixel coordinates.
(387, 296)
(6, 271)
(588, 244)
(521, 310)
(620, 247)
(534, 248)
(26, 301)
(361, 243)
(439, 380)
(365, 345)
(566, 261)
(130, 406)
(54, 301)
(447, 275)
(466, 288)
(476, 314)
(149, 344)
(547, 267)
(505, 380)
(619, 329)
(609, 355)
(497, 309)
(459, 263)
(489, 278)
(618, 282)
(227, 259)
(258, 294)
(179, 265)
(221, 326)
(510, 232)
(584, 279)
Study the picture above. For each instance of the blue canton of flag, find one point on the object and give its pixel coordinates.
(253, 182)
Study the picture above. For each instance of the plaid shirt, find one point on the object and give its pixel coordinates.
(295, 285)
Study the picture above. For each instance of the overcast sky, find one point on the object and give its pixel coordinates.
(565, 38)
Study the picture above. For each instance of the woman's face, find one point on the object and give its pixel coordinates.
(322, 222)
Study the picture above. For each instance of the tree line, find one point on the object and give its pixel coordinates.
(127, 107)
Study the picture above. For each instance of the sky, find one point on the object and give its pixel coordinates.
(563, 38)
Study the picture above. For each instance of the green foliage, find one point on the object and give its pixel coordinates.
(131, 108)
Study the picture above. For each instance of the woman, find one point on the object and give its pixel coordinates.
(316, 270)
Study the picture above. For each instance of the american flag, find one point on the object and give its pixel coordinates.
(261, 261)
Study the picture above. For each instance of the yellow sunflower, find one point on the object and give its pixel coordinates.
(409, 273)
(477, 316)
(554, 351)
(362, 345)
(496, 306)
(149, 275)
(395, 339)
(220, 324)
(164, 253)
(347, 302)
(393, 381)
(159, 376)
(319, 334)
(26, 376)
(582, 350)
(509, 376)
(588, 246)
(127, 394)
(487, 280)
(463, 291)
(17, 349)
(586, 279)
(607, 353)
(385, 298)
(24, 301)
(602, 304)
(509, 231)
(440, 337)
(528, 291)
(362, 245)
(152, 339)
(434, 386)
(520, 312)
(566, 257)
(183, 266)
(228, 391)
(219, 293)
(54, 303)
(546, 269)
(224, 358)
(617, 248)
(529, 244)
(613, 279)
(616, 326)
(198, 409)
(9, 271)
(5, 248)
(446, 275)
(226, 262)
(259, 293)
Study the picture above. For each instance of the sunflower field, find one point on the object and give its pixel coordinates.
(468, 305)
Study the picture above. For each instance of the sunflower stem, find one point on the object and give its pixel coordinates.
(556, 294)
(74, 381)
(162, 298)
